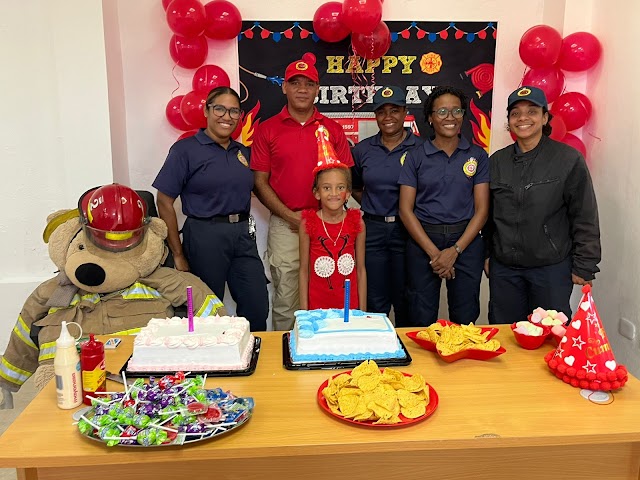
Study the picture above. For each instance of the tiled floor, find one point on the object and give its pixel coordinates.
(20, 401)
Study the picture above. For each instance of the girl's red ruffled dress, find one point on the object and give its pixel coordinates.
(332, 259)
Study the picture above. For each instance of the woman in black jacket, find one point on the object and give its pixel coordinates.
(543, 233)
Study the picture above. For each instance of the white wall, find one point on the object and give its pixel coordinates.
(615, 156)
(54, 137)
(60, 72)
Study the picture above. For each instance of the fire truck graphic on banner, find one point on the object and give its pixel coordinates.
(360, 125)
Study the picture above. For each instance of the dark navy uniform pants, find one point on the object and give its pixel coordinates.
(516, 292)
(463, 292)
(220, 253)
(385, 264)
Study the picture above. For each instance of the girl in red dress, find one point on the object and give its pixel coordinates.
(332, 244)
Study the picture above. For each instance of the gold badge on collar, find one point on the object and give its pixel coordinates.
(387, 92)
(242, 159)
(404, 155)
(470, 167)
(524, 91)
(302, 66)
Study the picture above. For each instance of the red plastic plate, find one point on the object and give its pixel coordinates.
(431, 407)
(469, 353)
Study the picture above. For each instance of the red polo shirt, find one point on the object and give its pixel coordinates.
(289, 152)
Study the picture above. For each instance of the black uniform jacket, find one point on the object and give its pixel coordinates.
(543, 208)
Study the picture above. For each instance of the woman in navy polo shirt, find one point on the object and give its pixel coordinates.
(377, 162)
(444, 202)
(210, 173)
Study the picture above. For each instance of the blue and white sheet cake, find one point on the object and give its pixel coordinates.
(324, 336)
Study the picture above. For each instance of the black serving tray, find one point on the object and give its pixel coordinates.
(210, 373)
(381, 362)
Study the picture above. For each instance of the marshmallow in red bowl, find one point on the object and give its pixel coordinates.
(528, 335)
(548, 317)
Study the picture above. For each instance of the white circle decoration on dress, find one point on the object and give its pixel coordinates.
(346, 264)
(324, 266)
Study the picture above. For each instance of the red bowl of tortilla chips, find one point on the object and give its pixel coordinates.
(471, 353)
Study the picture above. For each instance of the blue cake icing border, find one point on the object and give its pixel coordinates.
(296, 358)
(309, 322)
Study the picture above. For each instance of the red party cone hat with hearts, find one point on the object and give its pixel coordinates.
(327, 157)
(584, 358)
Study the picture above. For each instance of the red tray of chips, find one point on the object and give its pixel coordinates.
(431, 407)
(473, 354)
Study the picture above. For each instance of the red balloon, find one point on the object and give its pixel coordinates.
(188, 52)
(579, 52)
(224, 21)
(550, 80)
(186, 17)
(165, 4)
(372, 45)
(540, 46)
(208, 77)
(361, 16)
(327, 23)
(573, 141)
(192, 109)
(188, 134)
(172, 111)
(558, 128)
(574, 107)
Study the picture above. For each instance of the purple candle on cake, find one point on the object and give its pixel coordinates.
(190, 307)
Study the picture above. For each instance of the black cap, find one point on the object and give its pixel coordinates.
(392, 95)
(530, 94)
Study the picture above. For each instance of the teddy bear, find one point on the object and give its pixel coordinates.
(109, 254)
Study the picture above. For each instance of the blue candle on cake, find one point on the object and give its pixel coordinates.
(347, 296)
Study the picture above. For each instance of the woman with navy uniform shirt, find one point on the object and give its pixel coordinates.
(444, 202)
(210, 173)
(377, 162)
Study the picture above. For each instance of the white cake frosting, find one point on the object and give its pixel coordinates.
(217, 343)
(324, 336)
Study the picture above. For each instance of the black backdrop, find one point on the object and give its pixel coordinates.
(463, 51)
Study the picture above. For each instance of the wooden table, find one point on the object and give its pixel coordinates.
(507, 418)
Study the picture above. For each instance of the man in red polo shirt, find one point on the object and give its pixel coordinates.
(283, 156)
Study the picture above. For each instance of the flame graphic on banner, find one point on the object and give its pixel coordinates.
(481, 127)
(248, 126)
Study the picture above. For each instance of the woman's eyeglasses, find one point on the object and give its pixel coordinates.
(444, 112)
(221, 111)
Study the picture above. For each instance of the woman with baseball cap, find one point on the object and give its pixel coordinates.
(377, 163)
(543, 234)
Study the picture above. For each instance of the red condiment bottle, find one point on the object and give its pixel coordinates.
(92, 364)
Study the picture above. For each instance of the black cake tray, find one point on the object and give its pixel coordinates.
(381, 362)
(210, 373)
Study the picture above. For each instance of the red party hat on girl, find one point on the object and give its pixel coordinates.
(327, 157)
(584, 358)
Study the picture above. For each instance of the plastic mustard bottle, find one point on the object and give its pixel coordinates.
(66, 366)
(94, 376)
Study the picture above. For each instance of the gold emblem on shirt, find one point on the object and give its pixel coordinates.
(404, 155)
(242, 159)
(470, 167)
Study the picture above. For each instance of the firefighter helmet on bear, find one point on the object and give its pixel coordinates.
(114, 217)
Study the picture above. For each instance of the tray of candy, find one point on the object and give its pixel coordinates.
(171, 411)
